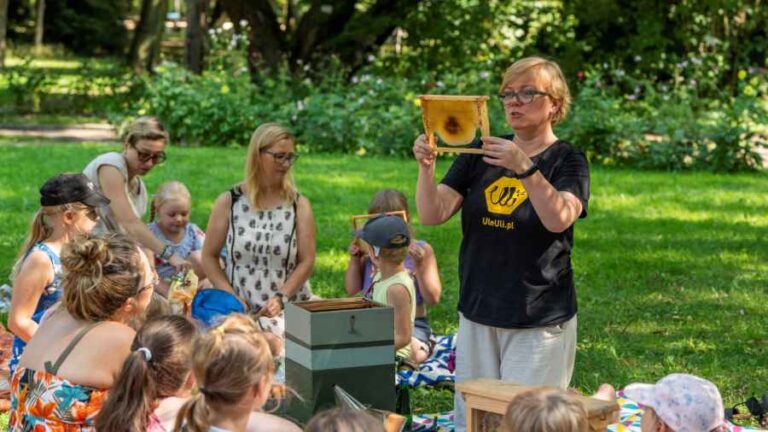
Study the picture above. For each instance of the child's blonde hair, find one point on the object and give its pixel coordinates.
(235, 342)
(344, 420)
(40, 229)
(545, 409)
(168, 191)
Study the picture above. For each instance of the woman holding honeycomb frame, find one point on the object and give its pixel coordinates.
(519, 200)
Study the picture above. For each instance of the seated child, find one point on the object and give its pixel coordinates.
(386, 239)
(68, 204)
(679, 403)
(420, 263)
(170, 223)
(229, 396)
(545, 409)
(155, 380)
(344, 420)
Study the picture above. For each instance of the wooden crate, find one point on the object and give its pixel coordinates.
(486, 401)
(345, 342)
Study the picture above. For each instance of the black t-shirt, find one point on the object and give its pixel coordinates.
(514, 273)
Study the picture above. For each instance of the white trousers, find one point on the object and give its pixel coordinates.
(533, 357)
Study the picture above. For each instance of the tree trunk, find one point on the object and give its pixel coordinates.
(195, 43)
(267, 41)
(3, 28)
(39, 20)
(145, 46)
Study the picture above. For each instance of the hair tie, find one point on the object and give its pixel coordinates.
(204, 391)
(147, 353)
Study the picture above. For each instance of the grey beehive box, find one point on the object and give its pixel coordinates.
(352, 347)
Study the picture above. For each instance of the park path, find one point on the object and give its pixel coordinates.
(78, 132)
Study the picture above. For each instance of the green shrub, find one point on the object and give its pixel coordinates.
(616, 119)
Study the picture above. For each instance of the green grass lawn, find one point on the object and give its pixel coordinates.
(671, 268)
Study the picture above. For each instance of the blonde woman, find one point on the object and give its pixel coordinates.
(519, 201)
(119, 176)
(79, 348)
(267, 228)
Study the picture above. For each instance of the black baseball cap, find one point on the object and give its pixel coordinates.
(386, 231)
(71, 188)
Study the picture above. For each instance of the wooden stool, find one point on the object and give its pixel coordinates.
(487, 400)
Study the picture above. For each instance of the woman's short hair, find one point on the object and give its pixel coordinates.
(145, 128)
(546, 409)
(550, 76)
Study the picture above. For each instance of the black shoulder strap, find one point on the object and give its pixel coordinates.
(290, 239)
(235, 194)
(53, 369)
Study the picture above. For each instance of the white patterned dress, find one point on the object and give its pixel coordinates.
(262, 251)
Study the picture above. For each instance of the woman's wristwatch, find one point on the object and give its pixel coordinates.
(529, 172)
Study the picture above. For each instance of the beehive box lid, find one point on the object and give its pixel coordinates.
(333, 323)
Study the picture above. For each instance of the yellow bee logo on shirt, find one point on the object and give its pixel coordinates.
(504, 195)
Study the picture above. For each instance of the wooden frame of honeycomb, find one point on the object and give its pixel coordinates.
(455, 119)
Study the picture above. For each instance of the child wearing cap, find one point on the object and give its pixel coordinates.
(68, 209)
(679, 403)
(387, 239)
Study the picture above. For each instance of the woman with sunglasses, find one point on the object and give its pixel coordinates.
(68, 204)
(79, 348)
(267, 228)
(519, 201)
(119, 177)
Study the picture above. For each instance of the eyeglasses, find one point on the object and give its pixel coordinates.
(144, 157)
(155, 282)
(524, 96)
(283, 158)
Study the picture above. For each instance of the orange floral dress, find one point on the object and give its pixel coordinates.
(43, 402)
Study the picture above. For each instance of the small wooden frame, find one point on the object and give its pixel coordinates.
(359, 220)
(455, 119)
(486, 401)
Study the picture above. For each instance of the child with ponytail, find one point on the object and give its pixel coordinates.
(155, 381)
(68, 204)
(229, 398)
(169, 216)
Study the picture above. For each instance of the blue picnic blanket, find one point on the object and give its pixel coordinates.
(437, 370)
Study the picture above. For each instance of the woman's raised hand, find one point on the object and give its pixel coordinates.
(422, 151)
